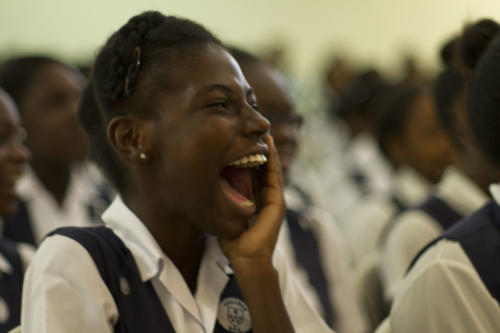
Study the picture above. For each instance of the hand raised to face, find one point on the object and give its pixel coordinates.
(256, 244)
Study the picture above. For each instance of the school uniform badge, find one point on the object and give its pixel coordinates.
(233, 315)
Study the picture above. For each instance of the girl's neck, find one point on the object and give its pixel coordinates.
(180, 242)
(54, 177)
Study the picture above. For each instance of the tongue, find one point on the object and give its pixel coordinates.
(238, 184)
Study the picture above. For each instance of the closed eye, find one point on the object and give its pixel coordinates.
(218, 105)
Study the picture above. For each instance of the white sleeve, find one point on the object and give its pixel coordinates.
(304, 317)
(63, 291)
(444, 293)
(412, 231)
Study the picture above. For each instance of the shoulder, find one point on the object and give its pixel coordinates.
(64, 257)
(443, 290)
(411, 224)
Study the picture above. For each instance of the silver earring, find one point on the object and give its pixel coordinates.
(143, 156)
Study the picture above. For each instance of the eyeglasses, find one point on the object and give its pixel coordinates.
(285, 118)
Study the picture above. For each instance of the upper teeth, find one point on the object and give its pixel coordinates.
(250, 161)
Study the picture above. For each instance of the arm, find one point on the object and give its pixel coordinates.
(251, 255)
(63, 292)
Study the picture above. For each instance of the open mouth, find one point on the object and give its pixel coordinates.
(237, 179)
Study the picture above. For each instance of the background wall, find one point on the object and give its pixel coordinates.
(368, 31)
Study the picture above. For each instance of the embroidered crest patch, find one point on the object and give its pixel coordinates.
(233, 315)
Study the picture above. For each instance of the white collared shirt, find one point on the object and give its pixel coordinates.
(333, 258)
(414, 229)
(444, 293)
(46, 214)
(366, 223)
(64, 292)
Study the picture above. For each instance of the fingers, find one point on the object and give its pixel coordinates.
(269, 220)
(273, 177)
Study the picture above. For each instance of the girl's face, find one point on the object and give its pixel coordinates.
(275, 103)
(49, 111)
(13, 155)
(426, 147)
(207, 121)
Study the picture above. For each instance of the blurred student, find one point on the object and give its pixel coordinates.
(14, 256)
(58, 188)
(453, 286)
(408, 133)
(308, 235)
(365, 166)
(462, 189)
(189, 241)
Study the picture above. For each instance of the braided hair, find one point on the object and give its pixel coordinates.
(127, 72)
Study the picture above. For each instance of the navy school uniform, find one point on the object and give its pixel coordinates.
(108, 280)
(456, 196)
(453, 285)
(36, 207)
(11, 282)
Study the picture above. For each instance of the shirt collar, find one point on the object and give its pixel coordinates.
(495, 192)
(409, 186)
(145, 249)
(5, 266)
(463, 195)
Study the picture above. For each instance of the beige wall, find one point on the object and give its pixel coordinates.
(376, 31)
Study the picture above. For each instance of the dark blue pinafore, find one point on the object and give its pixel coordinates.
(479, 237)
(308, 256)
(140, 310)
(10, 287)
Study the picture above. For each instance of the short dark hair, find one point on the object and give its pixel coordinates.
(17, 74)
(481, 56)
(362, 95)
(449, 86)
(393, 112)
(130, 55)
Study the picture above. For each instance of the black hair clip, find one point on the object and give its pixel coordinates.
(132, 71)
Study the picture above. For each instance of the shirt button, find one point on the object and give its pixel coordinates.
(124, 286)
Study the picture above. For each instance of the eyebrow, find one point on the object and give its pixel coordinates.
(218, 86)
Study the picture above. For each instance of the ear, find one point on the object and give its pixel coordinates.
(128, 138)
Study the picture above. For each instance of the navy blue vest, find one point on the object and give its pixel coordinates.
(140, 310)
(19, 228)
(434, 206)
(10, 287)
(479, 236)
(307, 254)
(440, 211)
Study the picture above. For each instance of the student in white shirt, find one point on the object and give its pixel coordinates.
(409, 134)
(462, 189)
(14, 256)
(174, 124)
(453, 284)
(308, 236)
(58, 189)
